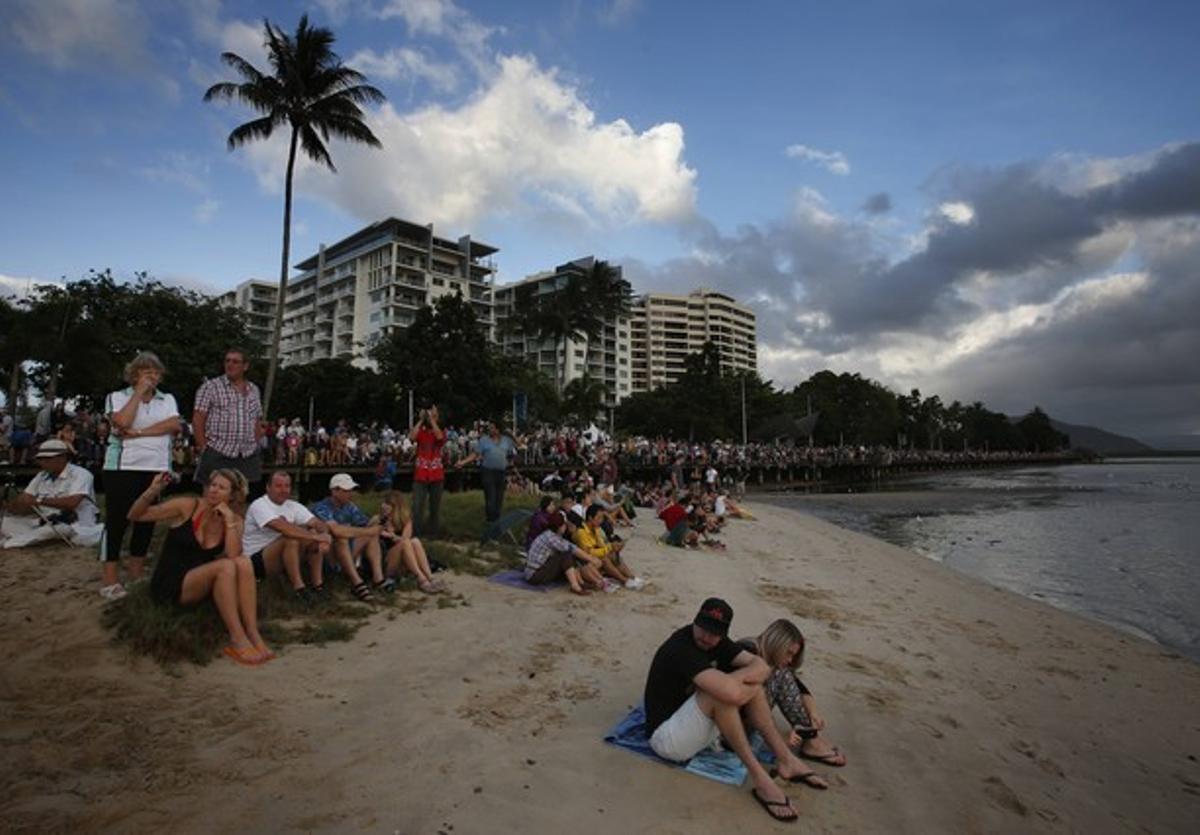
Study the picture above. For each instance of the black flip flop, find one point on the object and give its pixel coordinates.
(771, 805)
(806, 779)
(824, 759)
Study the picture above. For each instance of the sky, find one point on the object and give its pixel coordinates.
(996, 202)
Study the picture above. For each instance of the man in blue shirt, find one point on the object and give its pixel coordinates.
(493, 452)
(353, 536)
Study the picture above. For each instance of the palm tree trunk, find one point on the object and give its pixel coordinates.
(273, 367)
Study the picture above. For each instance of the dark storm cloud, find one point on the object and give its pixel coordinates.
(878, 204)
(823, 283)
(1130, 366)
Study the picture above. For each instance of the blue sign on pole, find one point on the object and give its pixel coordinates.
(520, 409)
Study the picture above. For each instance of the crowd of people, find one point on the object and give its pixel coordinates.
(701, 689)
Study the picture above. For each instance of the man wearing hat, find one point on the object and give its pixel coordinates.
(59, 503)
(701, 688)
(353, 536)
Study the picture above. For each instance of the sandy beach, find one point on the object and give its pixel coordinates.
(962, 708)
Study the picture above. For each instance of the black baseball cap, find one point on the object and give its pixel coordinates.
(714, 616)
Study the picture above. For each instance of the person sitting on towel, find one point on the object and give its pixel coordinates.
(59, 504)
(591, 538)
(781, 645)
(551, 557)
(703, 687)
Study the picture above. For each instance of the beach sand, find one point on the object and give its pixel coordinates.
(962, 708)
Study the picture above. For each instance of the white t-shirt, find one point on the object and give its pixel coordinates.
(719, 506)
(72, 481)
(262, 510)
(146, 454)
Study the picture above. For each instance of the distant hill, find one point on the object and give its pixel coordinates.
(1189, 443)
(1097, 440)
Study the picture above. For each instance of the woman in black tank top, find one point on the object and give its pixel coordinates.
(202, 558)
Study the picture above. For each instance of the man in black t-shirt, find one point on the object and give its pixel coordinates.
(702, 687)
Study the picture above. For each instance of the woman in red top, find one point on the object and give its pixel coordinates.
(428, 472)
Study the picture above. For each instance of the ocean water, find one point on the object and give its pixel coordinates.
(1117, 541)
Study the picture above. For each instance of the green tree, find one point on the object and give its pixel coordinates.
(1039, 434)
(79, 336)
(513, 374)
(445, 357)
(583, 399)
(14, 334)
(314, 95)
(593, 294)
(336, 389)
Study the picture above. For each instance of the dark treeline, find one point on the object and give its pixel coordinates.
(72, 341)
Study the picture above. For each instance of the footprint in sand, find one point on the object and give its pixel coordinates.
(1001, 795)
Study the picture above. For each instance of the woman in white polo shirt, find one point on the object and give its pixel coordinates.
(144, 421)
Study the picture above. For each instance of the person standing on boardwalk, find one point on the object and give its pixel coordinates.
(227, 424)
(429, 475)
(493, 451)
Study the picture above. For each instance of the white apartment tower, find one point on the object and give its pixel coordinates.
(364, 286)
(256, 299)
(666, 328)
(606, 359)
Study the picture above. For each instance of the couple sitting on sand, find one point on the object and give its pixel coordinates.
(704, 688)
(584, 560)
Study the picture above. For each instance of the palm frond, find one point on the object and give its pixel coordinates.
(243, 67)
(314, 148)
(256, 129)
(349, 129)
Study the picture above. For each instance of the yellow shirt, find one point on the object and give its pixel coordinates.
(593, 542)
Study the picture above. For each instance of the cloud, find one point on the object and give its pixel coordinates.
(957, 212)
(878, 204)
(1074, 293)
(241, 37)
(523, 142)
(206, 210)
(445, 19)
(405, 64)
(834, 162)
(18, 287)
(73, 35)
(178, 168)
(618, 11)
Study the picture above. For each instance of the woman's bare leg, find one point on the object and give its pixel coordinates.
(217, 579)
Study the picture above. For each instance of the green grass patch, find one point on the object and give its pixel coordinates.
(173, 634)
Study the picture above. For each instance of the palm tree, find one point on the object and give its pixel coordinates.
(583, 398)
(313, 93)
(594, 294)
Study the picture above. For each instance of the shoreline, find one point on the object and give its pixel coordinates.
(962, 707)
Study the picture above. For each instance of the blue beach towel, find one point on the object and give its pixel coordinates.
(515, 578)
(722, 766)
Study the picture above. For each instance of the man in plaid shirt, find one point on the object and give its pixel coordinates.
(551, 557)
(227, 422)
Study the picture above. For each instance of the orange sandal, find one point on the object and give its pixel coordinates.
(247, 657)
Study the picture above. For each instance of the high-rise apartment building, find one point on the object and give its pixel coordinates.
(666, 328)
(374, 281)
(606, 359)
(256, 299)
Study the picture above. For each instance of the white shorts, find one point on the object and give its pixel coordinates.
(685, 734)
